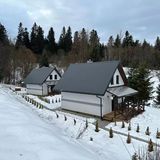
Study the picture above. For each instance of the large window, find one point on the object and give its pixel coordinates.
(55, 76)
(112, 81)
(117, 79)
(50, 77)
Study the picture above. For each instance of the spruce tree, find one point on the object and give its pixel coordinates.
(51, 44)
(19, 40)
(68, 40)
(139, 79)
(26, 40)
(127, 40)
(44, 60)
(94, 46)
(157, 44)
(61, 43)
(117, 42)
(37, 39)
(3, 35)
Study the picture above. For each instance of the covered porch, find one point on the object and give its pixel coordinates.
(124, 106)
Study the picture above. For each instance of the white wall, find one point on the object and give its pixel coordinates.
(34, 89)
(86, 103)
(114, 79)
(81, 103)
(53, 74)
(45, 89)
(107, 103)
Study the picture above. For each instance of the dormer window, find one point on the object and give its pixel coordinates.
(112, 82)
(55, 76)
(50, 77)
(117, 79)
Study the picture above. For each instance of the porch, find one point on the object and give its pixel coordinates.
(124, 106)
(124, 112)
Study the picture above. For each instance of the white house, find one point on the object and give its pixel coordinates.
(42, 81)
(94, 88)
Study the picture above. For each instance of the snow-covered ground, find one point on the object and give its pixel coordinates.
(29, 133)
(149, 118)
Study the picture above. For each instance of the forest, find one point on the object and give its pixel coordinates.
(32, 47)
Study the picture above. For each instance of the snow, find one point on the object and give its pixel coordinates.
(149, 118)
(27, 132)
(24, 135)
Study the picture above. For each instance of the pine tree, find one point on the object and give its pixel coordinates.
(26, 40)
(117, 42)
(61, 43)
(51, 44)
(139, 79)
(157, 100)
(94, 46)
(44, 59)
(3, 35)
(127, 40)
(84, 46)
(157, 44)
(76, 44)
(19, 40)
(37, 39)
(68, 40)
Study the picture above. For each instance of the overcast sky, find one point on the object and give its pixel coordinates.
(109, 17)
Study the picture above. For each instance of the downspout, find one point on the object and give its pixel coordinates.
(100, 98)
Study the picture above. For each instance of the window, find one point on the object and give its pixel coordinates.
(50, 77)
(55, 76)
(112, 81)
(117, 79)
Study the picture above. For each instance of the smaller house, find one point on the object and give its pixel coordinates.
(42, 81)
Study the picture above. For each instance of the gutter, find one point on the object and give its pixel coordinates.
(100, 98)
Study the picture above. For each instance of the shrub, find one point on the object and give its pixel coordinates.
(129, 126)
(74, 122)
(147, 131)
(150, 146)
(96, 127)
(123, 124)
(137, 130)
(128, 138)
(86, 123)
(65, 118)
(110, 133)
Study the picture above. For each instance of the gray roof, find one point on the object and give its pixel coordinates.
(38, 76)
(122, 91)
(89, 78)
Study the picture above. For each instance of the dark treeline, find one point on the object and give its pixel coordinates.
(32, 47)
